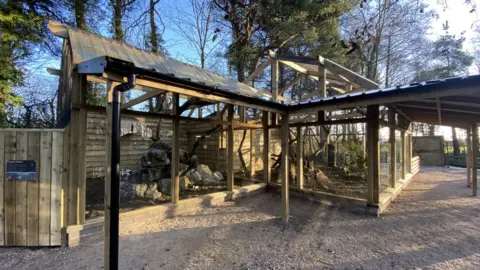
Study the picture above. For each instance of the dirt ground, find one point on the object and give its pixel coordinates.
(95, 194)
(432, 225)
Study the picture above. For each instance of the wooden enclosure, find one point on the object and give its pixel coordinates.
(430, 149)
(32, 211)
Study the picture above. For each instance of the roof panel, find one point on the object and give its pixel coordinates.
(87, 46)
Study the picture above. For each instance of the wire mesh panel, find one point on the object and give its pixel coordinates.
(335, 160)
(385, 158)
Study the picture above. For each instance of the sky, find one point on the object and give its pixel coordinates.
(461, 22)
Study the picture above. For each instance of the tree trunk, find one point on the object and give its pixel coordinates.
(117, 20)
(456, 144)
(79, 6)
(153, 27)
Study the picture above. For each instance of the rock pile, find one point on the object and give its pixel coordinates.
(153, 179)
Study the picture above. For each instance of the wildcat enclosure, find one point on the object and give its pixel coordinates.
(214, 139)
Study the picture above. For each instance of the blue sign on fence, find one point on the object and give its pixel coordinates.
(21, 170)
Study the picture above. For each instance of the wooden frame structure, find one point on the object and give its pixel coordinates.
(444, 102)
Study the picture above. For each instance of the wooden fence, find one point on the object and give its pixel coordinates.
(31, 211)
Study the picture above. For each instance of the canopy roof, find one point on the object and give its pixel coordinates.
(86, 46)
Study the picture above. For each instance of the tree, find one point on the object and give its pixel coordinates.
(258, 26)
(22, 28)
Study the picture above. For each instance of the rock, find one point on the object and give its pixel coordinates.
(155, 158)
(164, 185)
(194, 176)
(204, 170)
(219, 176)
(194, 161)
(183, 168)
(127, 190)
(140, 189)
(210, 180)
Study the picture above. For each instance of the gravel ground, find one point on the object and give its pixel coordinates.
(432, 225)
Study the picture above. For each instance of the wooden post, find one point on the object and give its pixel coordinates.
(404, 155)
(373, 157)
(469, 158)
(252, 153)
(266, 147)
(175, 185)
(230, 142)
(393, 150)
(274, 79)
(474, 159)
(322, 80)
(410, 151)
(284, 166)
(299, 158)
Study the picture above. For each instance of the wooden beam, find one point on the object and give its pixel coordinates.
(212, 121)
(140, 99)
(230, 142)
(252, 154)
(266, 146)
(348, 74)
(469, 158)
(285, 131)
(393, 150)
(395, 108)
(175, 167)
(291, 83)
(258, 70)
(373, 156)
(322, 81)
(54, 71)
(274, 80)
(299, 157)
(474, 159)
(252, 103)
(447, 102)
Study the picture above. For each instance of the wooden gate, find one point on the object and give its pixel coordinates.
(31, 211)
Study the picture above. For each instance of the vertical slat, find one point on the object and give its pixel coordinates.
(373, 157)
(266, 147)
(300, 158)
(230, 142)
(56, 189)
(284, 166)
(10, 154)
(65, 182)
(393, 150)
(474, 159)
(32, 189)
(21, 194)
(73, 178)
(274, 86)
(2, 188)
(82, 181)
(44, 182)
(175, 185)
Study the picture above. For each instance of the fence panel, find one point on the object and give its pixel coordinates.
(31, 179)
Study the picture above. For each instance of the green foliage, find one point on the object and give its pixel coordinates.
(353, 161)
(300, 27)
(448, 59)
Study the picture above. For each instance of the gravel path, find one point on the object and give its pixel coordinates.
(432, 225)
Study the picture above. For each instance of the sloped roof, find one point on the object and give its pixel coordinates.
(87, 46)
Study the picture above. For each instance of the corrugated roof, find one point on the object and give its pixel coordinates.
(399, 88)
(86, 46)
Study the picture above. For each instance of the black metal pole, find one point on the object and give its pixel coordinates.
(115, 173)
(115, 179)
